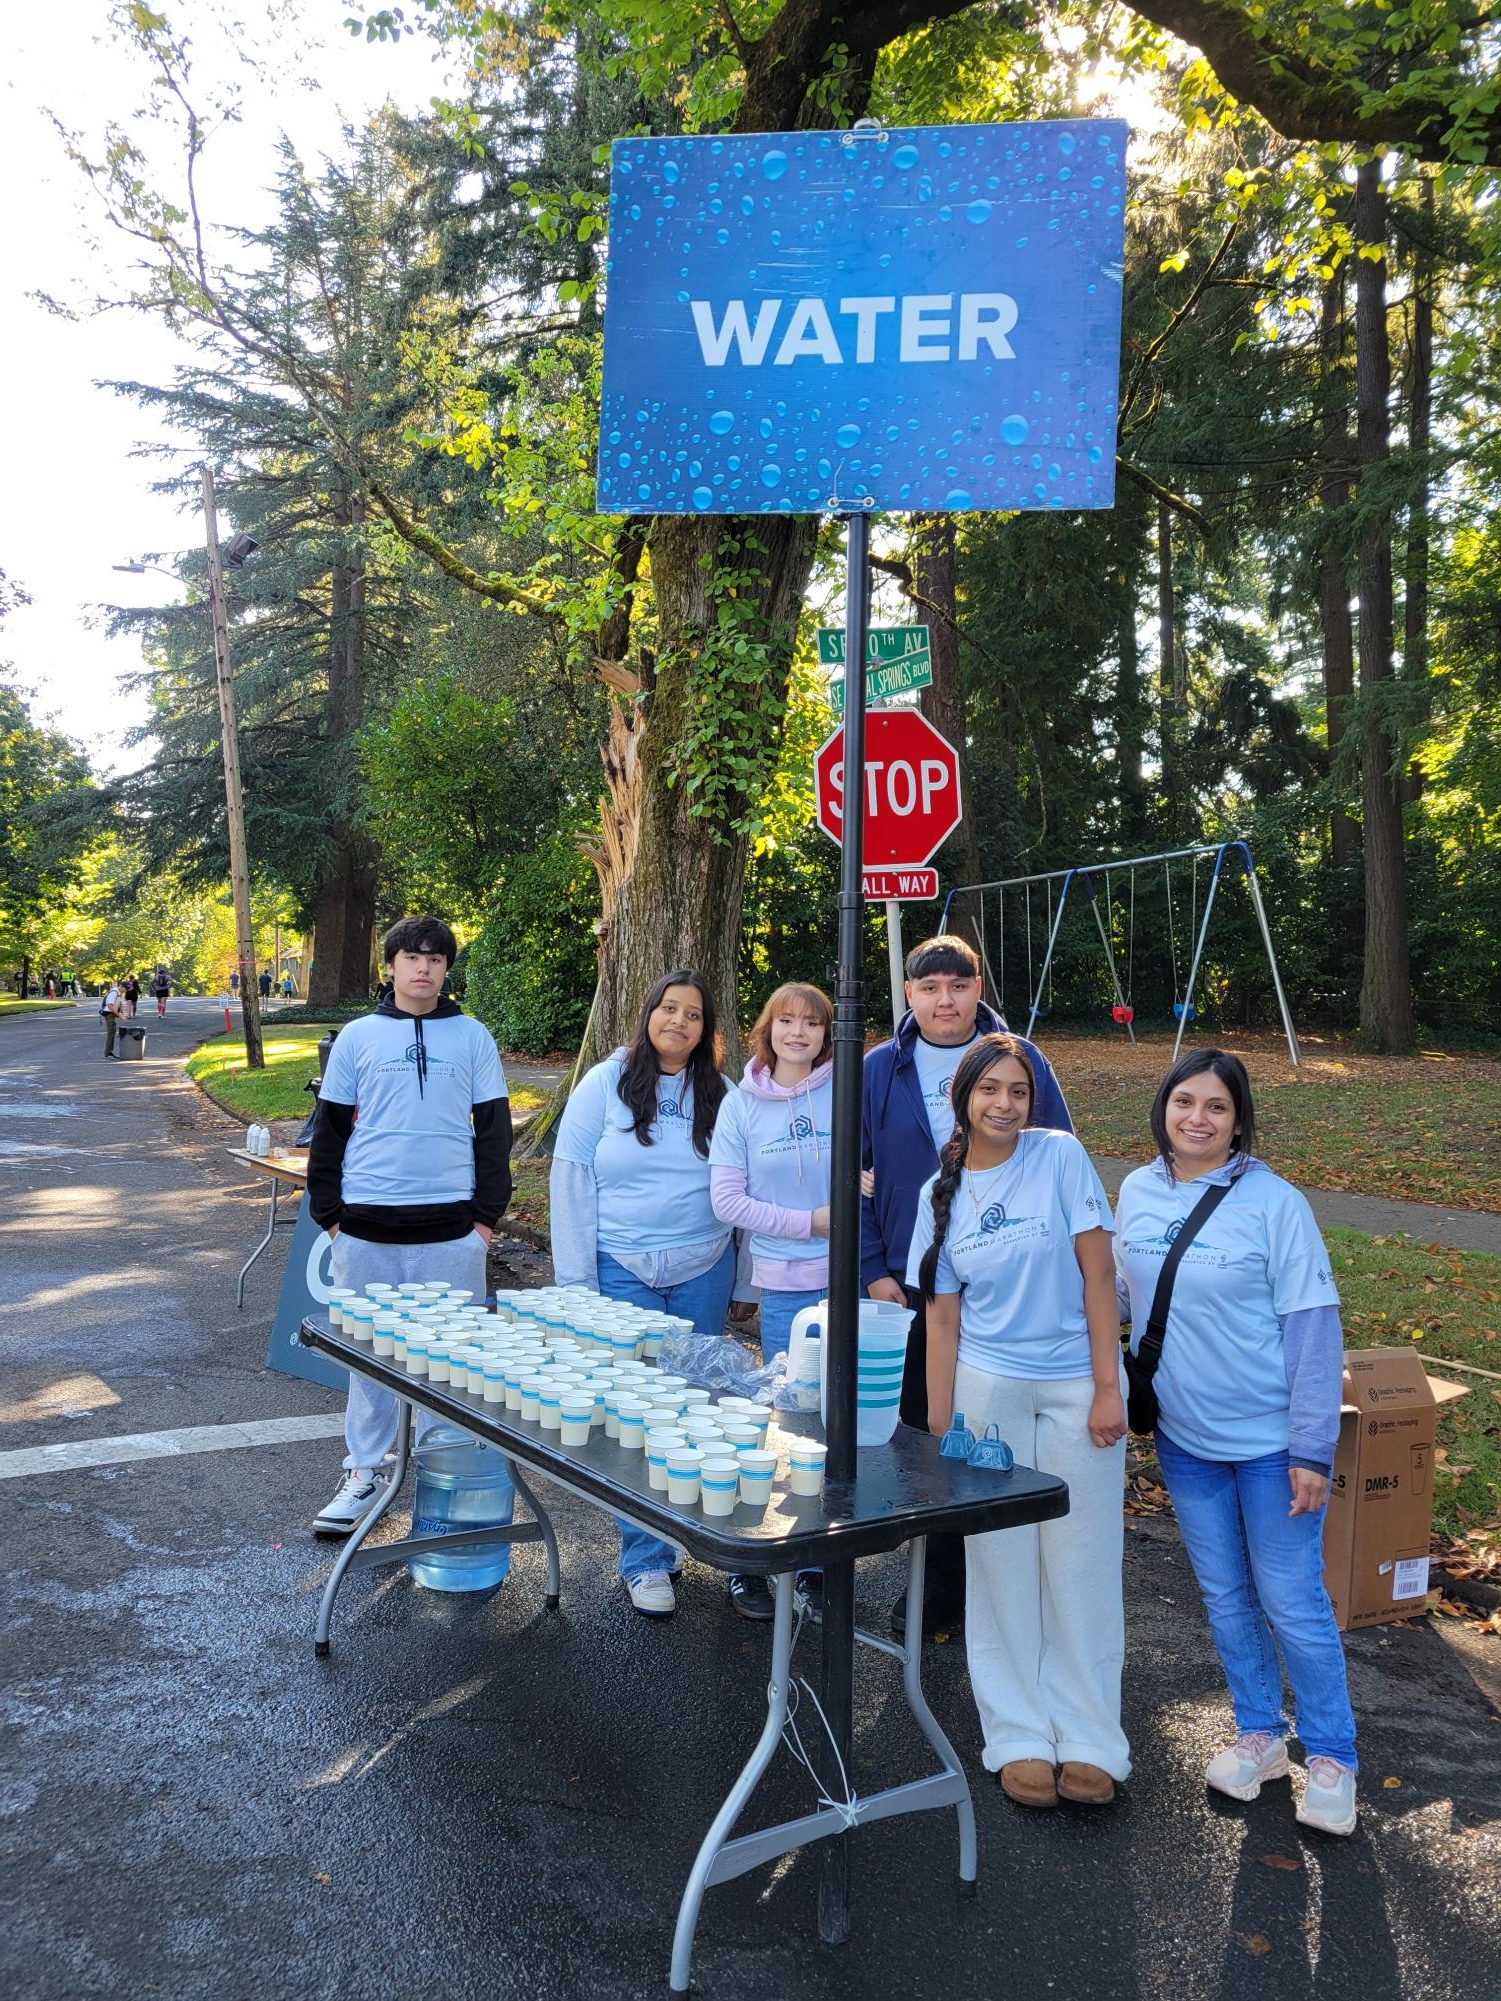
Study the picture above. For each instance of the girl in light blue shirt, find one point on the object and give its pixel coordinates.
(631, 1214)
(1012, 1252)
(1248, 1390)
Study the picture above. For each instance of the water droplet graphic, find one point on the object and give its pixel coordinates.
(670, 170)
(1065, 142)
(1013, 430)
(959, 499)
(721, 421)
(747, 204)
(703, 496)
(771, 475)
(847, 435)
(766, 427)
(721, 236)
(773, 166)
(978, 211)
(904, 157)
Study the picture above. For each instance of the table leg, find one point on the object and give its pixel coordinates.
(777, 1691)
(838, 1749)
(917, 1702)
(347, 1554)
(270, 1233)
(549, 1537)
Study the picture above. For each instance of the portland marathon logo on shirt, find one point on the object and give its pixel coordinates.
(1200, 1252)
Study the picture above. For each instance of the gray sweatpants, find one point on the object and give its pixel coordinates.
(370, 1414)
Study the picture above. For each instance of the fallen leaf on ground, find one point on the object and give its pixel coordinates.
(1258, 1944)
(1280, 1861)
(1391, 1785)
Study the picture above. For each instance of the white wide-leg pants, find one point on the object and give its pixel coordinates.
(1044, 1620)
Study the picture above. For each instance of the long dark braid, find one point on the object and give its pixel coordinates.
(976, 1060)
(950, 1168)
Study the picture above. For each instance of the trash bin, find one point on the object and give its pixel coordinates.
(325, 1045)
(130, 1039)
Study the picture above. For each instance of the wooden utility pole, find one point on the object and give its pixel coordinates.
(234, 802)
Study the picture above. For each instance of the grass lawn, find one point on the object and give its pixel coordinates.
(1424, 1128)
(12, 1004)
(277, 1091)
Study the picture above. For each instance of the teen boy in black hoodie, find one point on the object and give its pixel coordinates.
(409, 1169)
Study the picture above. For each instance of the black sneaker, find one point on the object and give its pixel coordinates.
(751, 1597)
(942, 1618)
(810, 1584)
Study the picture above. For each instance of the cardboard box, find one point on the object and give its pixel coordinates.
(1381, 1502)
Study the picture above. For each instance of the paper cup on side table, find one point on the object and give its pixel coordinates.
(658, 1444)
(757, 1471)
(531, 1392)
(683, 1462)
(632, 1422)
(805, 1458)
(576, 1410)
(719, 1485)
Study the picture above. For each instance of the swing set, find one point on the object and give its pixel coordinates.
(1053, 890)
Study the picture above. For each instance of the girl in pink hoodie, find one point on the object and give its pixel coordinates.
(769, 1160)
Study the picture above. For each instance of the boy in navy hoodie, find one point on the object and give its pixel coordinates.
(413, 1187)
(907, 1119)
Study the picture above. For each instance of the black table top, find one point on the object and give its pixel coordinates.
(900, 1490)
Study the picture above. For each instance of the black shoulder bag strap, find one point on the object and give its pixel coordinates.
(1149, 1351)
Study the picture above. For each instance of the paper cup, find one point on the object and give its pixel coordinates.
(683, 1462)
(549, 1406)
(437, 1361)
(632, 1423)
(658, 1444)
(741, 1434)
(805, 1463)
(695, 1399)
(719, 1486)
(531, 1406)
(576, 1410)
(673, 1383)
(758, 1469)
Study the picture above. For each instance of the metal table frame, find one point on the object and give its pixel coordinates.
(295, 1183)
(721, 1856)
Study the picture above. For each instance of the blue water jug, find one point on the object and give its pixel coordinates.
(460, 1485)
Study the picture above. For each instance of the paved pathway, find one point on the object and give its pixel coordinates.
(477, 1799)
(1459, 1229)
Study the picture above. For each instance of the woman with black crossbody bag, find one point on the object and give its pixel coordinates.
(1235, 1364)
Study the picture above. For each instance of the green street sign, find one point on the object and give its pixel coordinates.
(898, 661)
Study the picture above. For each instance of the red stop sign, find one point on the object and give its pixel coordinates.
(911, 788)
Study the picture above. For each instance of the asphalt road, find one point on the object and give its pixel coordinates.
(479, 1799)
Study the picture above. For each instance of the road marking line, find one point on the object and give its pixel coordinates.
(76, 1454)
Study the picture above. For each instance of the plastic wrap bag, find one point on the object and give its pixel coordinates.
(720, 1364)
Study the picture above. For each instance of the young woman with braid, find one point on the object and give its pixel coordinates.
(1012, 1252)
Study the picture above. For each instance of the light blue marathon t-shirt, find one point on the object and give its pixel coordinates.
(411, 1143)
(1222, 1381)
(1010, 1253)
(785, 1145)
(936, 1065)
(649, 1197)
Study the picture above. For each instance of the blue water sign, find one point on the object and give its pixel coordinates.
(305, 1286)
(918, 319)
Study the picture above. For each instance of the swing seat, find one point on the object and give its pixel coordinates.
(1122, 1014)
(1180, 1014)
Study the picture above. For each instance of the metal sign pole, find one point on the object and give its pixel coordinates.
(842, 1334)
(894, 955)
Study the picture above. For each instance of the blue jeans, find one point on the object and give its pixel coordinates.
(705, 1301)
(778, 1311)
(1261, 1571)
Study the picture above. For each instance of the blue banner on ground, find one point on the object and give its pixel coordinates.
(920, 319)
(304, 1289)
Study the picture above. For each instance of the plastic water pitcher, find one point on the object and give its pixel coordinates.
(460, 1485)
(805, 1352)
(882, 1356)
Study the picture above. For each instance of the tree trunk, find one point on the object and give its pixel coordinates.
(1171, 690)
(1419, 434)
(1336, 637)
(1130, 735)
(1386, 1014)
(933, 577)
(706, 747)
(344, 902)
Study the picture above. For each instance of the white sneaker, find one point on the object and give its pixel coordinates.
(1244, 1767)
(358, 1493)
(652, 1594)
(1328, 1801)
